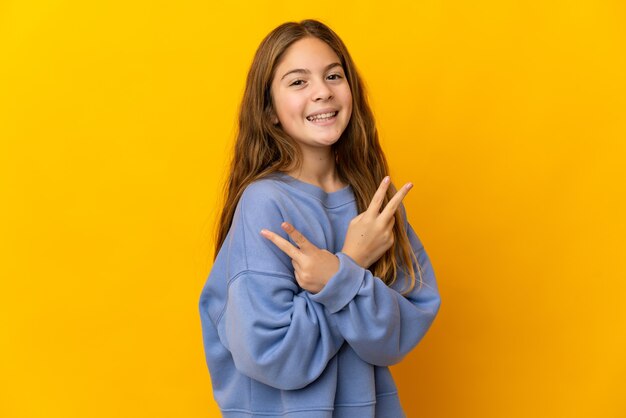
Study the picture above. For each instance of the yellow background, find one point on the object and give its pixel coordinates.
(116, 119)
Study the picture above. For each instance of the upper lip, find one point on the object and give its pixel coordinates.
(319, 112)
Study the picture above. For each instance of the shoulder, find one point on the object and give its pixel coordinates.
(263, 188)
(259, 208)
(262, 195)
(265, 202)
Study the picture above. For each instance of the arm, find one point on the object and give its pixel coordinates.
(274, 332)
(380, 324)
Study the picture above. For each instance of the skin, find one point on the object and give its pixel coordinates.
(369, 235)
(317, 84)
(309, 79)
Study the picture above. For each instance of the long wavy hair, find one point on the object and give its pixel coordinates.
(262, 148)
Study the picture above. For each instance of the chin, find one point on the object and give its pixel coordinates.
(329, 141)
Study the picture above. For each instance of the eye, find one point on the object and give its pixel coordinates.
(297, 83)
(335, 76)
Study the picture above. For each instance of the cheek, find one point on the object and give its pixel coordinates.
(346, 95)
(348, 102)
(289, 106)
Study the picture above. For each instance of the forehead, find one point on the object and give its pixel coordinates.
(307, 53)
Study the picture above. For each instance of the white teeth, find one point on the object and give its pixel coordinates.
(322, 116)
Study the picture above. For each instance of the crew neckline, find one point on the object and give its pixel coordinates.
(329, 199)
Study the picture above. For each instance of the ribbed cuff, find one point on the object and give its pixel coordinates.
(343, 286)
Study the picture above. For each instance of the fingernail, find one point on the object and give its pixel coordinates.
(409, 185)
(386, 180)
(264, 232)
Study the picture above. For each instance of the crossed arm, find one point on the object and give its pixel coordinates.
(281, 337)
(369, 235)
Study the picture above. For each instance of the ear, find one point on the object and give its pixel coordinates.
(270, 113)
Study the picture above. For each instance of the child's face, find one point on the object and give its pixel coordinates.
(310, 81)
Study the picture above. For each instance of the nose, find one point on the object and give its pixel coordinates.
(322, 92)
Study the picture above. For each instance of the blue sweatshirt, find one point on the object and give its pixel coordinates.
(276, 350)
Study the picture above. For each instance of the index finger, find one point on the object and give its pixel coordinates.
(395, 202)
(379, 196)
(285, 246)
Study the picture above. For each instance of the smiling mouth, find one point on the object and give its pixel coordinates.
(322, 117)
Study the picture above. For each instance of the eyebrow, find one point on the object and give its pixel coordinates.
(304, 71)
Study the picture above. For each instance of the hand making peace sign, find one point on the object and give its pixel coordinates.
(369, 235)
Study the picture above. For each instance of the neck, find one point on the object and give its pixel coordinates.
(318, 168)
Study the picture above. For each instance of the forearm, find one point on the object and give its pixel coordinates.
(378, 322)
(275, 335)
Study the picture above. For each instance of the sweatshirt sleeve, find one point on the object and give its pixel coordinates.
(274, 332)
(378, 322)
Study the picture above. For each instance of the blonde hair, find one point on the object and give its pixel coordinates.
(262, 148)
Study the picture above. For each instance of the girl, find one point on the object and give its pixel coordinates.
(319, 282)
